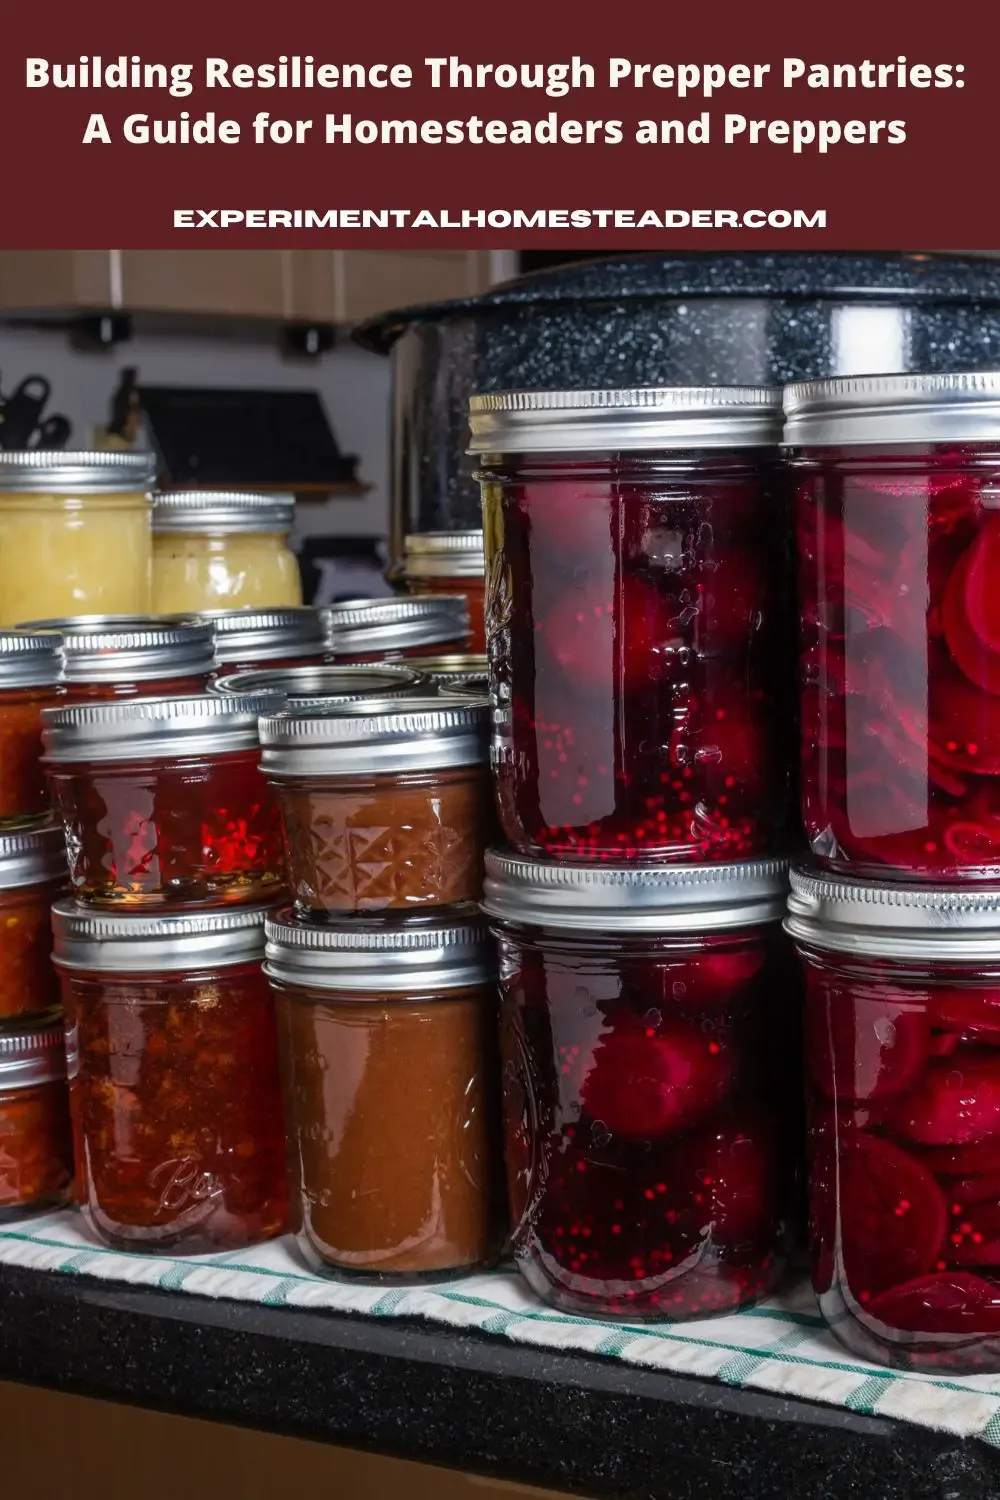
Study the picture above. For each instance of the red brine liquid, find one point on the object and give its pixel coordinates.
(638, 659)
(648, 1119)
(900, 668)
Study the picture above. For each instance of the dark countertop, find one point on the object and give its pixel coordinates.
(466, 1400)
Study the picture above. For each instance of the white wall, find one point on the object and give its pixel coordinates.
(353, 385)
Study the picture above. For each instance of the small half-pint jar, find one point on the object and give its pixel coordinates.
(30, 672)
(173, 1068)
(902, 1026)
(249, 638)
(650, 1082)
(373, 630)
(107, 657)
(223, 549)
(163, 803)
(387, 1031)
(300, 686)
(449, 562)
(32, 874)
(381, 810)
(36, 1146)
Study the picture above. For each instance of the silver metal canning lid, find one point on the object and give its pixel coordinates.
(332, 684)
(643, 420)
(221, 510)
(243, 635)
(138, 943)
(415, 734)
(894, 921)
(629, 898)
(372, 957)
(370, 625)
(32, 1057)
(29, 659)
(888, 409)
(473, 688)
(140, 728)
(444, 554)
(131, 648)
(52, 471)
(443, 668)
(34, 857)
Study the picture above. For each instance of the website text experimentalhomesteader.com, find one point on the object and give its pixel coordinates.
(499, 218)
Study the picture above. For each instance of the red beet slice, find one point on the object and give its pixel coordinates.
(972, 1160)
(964, 723)
(728, 1175)
(868, 1050)
(641, 1085)
(980, 602)
(963, 1190)
(892, 1215)
(707, 981)
(975, 653)
(969, 1012)
(956, 1101)
(948, 1302)
(974, 1234)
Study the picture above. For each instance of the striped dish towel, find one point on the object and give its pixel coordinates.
(780, 1346)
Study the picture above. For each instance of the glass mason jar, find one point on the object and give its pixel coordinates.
(246, 639)
(36, 1149)
(650, 1067)
(449, 562)
(636, 618)
(30, 670)
(32, 874)
(903, 1096)
(173, 1067)
(897, 484)
(385, 806)
(75, 533)
(223, 550)
(387, 1033)
(127, 656)
(441, 670)
(377, 630)
(300, 686)
(163, 802)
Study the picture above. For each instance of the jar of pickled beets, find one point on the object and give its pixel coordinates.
(897, 495)
(174, 1087)
(126, 656)
(36, 1149)
(649, 1054)
(902, 1027)
(30, 671)
(162, 801)
(636, 620)
(250, 638)
(377, 630)
(32, 874)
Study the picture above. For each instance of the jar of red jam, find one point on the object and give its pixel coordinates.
(249, 638)
(32, 874)
(897, 479)
(128, 656)
(449, 562)
(340, 685)
(377, 630)
(387, 1030)
(163, 802)
(173, 1071)
(385, 807)
(30, 670)
(636, 620)
(650, 1059)
(903, 1095)
(36, 1149)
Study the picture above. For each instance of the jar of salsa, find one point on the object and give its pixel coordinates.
(377, 630)
(648, 1049)
(383, 807)
(217, 549)
(897, 479)
(637, 620)
(299, 686)
(36, 1150)
(387, 1032)
(30, 669)
(249, 638)
(163, 802)
(173, 1078)
(32, 874)
(449, 562)
(903, 1095)
(128, 656)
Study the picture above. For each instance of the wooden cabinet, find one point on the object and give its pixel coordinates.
(330, 286)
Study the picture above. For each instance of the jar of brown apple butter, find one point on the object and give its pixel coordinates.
(385, 807)
(388, 1035)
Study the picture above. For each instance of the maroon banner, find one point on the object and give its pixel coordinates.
(863, 126)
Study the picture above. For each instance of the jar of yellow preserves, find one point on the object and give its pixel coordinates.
(222, 550)
(75, 534)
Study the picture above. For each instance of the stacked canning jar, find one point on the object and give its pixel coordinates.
(223, 550)
(898, 923)
(449, 562)
(636, 549)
